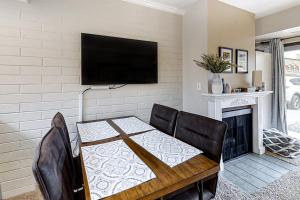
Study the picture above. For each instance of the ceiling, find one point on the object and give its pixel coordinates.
(176, 3)
(260, 8)
(263, 8)
(24, 1)
(174, 6)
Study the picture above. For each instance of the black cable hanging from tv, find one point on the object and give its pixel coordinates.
(116, 87)
(111, 87)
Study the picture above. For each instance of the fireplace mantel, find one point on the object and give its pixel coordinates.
(217, 102)
(237, 95)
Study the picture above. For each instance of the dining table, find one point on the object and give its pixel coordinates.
(125, 158)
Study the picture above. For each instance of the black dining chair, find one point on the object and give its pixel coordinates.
(59, 122)
(207, 135)
(52, 168)
(163, 118)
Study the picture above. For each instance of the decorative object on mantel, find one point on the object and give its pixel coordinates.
(227, 88)
(263, 86)
(257, 79)
(251, 89)
(223, 84)
(237, 90)
(215, 65)
(227, 55)
(241, 61)
(216, 84)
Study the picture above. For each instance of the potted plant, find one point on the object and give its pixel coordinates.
(216, 65)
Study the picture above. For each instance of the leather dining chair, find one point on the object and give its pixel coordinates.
(52, 168)
(207, 135)
(164, 118)
(58, 121)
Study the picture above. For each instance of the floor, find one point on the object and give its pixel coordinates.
(253, 172)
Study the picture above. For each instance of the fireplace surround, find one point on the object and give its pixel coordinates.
(218, 102)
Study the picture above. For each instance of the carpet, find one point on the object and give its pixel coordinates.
(287, 187)
(227, 190)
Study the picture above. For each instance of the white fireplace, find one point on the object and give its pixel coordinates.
(218, 102)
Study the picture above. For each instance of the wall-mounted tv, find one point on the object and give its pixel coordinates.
(112, 60)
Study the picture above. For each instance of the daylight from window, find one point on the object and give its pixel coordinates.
(292, 77)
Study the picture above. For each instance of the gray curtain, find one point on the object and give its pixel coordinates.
(278, 99)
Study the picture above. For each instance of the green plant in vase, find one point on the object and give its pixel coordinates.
(216, 65)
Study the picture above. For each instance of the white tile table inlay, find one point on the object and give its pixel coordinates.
(94, 131)
(166, 148)
(112, 168)
(132, 125)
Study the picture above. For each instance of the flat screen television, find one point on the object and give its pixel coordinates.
(112, 60)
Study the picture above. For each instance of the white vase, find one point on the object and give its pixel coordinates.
(216, 84)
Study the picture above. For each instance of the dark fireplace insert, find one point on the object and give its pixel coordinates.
(238, 139)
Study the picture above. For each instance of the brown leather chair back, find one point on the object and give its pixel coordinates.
(52, 169)
(163, 118)
(207, 135)
(58, 121)
(203, 133)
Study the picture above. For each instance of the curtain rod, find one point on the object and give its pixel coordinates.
(267, 41)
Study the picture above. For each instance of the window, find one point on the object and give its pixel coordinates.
(292, 77)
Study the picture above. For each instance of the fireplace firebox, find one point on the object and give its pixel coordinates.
(238, 139)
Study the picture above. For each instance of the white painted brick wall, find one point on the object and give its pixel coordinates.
(9, 51)
(9, 108)
(16, 60)
(9, 89)
(40, 73)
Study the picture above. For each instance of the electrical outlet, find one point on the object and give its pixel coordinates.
(199, 87)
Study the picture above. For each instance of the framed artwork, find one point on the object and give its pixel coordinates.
(227, 55)
(241, 61)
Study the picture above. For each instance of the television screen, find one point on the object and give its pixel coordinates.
(111, 60)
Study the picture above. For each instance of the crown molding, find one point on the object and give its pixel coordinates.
(158, 6)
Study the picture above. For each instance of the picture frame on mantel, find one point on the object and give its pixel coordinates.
(241, 61)
(227, 55)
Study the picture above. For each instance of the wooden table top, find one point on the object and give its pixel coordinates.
(167, 179)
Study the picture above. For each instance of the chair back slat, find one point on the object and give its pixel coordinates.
(163, 118)
(203, 133)
(59, 122)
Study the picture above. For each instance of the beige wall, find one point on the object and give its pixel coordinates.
(194, 45)
(232, 27)
(207, 25)
(40, 72)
